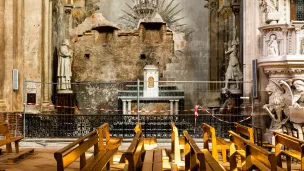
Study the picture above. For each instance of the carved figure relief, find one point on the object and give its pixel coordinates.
(269, 6)
(273, 49)
(277, 104)
(298, 96)
(64, 73)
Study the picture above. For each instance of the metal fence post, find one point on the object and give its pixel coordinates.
(138, 83)
(24, 105)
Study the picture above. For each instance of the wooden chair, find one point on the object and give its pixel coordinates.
(217, 143)
(296, 146)
(4, 130)
(196, 159)
(258, 139)
(77, 149)
(256, 157)
(110, 142)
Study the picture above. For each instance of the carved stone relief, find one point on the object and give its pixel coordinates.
(271, 10)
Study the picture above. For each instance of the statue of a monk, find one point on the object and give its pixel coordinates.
(64, 73)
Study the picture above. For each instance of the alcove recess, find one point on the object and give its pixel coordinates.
(106, 34)
(152, 33)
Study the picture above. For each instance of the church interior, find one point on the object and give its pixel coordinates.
(152, 84)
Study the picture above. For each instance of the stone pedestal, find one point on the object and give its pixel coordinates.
(272, 17)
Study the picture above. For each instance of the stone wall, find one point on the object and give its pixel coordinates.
(106, 54)
(15, 122)
(185, 57)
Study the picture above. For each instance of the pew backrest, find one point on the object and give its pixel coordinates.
(138, 128)
(209, 133)
(238, 141)
(196, 158)
(109, 143)
(4, 130)
(77, 149)
(175, 149)
(288, 141)
(244, 130)
(135, 151)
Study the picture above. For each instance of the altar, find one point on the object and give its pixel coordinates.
(153, 98)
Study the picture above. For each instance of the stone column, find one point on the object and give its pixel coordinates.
(129, 107)
(124, 107)
(8, 53)
(18, 55)
(68, 9)
(298, 25)
(45, 51)
(2, 57)
(235, 5)
(176, 107)
(171, 107)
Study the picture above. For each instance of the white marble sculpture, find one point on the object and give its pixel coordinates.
(64, 73)
(298, 95)
(233, 71)
(277, 102)
(273, 49)
(270, 8)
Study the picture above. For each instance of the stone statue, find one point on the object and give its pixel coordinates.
(64, 73)
(269, 6)
(298, 96)
(277, 103)
(273, 49)
(233, 71)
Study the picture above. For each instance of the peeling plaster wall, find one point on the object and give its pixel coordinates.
(195, 55)
(119, 60)
(189, 60)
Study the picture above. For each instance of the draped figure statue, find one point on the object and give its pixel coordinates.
(64, 73)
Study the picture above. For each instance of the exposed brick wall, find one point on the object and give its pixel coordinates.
(15, 122)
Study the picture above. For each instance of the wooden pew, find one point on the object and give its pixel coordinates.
(196, 159)
(110, 142)
(290, 142)
(244, 130)
(256, 157)
(177, 143)
(150, 143)
(4, 130)
(217, 143)
(139, 159)
(153, 160)
(135, 152)
(77, 149)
